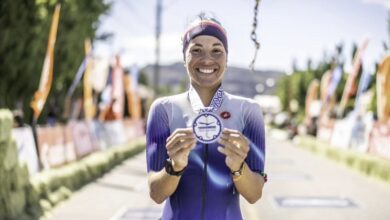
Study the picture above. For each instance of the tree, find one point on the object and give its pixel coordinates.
(25, 28)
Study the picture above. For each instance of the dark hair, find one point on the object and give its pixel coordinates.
(204, 25)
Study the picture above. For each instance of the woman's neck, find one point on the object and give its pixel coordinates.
(206, 94)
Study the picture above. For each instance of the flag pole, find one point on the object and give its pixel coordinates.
(41, 94)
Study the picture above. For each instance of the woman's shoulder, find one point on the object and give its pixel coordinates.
(243, 104)
(240, 99)
(168, 100)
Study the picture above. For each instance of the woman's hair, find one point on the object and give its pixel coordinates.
(204, 16)
(204, 24)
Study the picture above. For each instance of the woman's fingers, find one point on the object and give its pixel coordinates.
(234, 148)
(183, 144)
(177, 139)
(186, 149)
(236, 138)
(182, 131)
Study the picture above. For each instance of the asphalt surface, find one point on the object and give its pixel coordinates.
(301, 186)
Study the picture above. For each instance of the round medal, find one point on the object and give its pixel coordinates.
(207, 127)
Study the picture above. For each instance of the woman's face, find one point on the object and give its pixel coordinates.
(205, 62)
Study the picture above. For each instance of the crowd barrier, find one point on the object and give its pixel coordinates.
(325, 130)
(380, 140)
(361, 135)
(62, 144)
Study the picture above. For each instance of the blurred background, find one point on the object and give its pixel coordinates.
(77, 79)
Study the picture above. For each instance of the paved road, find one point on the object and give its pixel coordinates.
(302, 186)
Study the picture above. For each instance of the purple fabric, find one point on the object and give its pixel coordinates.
(205, 28)
(221, 199)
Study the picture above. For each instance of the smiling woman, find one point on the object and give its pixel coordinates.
(205, 147)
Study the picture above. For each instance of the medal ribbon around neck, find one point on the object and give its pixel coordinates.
(207, 126)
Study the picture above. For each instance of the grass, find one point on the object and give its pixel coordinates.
(50, 187)
(366, 164)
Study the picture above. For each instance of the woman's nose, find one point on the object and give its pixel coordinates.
(206, 58)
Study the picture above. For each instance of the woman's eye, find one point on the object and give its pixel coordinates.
(195, 51)
(217, 51)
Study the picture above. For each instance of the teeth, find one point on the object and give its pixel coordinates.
(206, 70)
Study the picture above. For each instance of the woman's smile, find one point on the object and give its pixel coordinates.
(206, 70)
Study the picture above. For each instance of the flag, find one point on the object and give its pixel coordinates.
(365, 80)
(383, 89)
(133, 98)
(350, 86)
(77, 77)
(89, 108)
(118, 89)
(134, 75)
(334, 82)
(41, 94)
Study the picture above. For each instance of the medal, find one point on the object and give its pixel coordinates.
(207, 127)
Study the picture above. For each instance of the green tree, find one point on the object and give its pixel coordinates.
(23, 43)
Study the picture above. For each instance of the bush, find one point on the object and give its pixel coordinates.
(367, 164)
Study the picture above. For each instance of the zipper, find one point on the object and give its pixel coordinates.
(204, 181)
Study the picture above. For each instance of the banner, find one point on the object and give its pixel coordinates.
(26, 148)
(82, 138)
(363, 85)
(99, 73)
(133, 98)
(311, 95)
(380, 139)
(118, 89)
(337, 74)
(350, 86)
(383, 89)
(115, 133)
(51, 146)
(41, 94)
(89, 107)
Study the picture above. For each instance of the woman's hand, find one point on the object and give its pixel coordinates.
(236, 148)
(179, 146)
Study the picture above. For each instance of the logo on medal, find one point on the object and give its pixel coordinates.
(207, 127)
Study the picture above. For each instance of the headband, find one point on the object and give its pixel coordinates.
(205, 28)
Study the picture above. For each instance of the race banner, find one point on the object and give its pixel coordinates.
(118, 89)
(41, 94)
(383, 89)
(350, 86)
(337, 74)
(51, 146)
(82, 139)
(311, 97)
(26, 148)
(133, 98)
(89, 107)
(380, 139)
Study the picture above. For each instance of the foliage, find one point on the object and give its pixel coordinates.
(367, 164)
(23, 43)
(294, 86)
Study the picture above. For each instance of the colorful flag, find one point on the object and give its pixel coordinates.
(118, 89)
(337, 73)
(365, 80)
(383, 89)
(350, 86)
(77, 78)
(41, 94)
(89, 107)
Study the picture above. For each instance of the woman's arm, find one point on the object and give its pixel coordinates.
(236, 147)
(250, 184)
(245, 152)
(179, 146)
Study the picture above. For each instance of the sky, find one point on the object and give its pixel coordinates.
(288, 30)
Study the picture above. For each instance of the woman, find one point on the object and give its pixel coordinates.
(197, 180)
